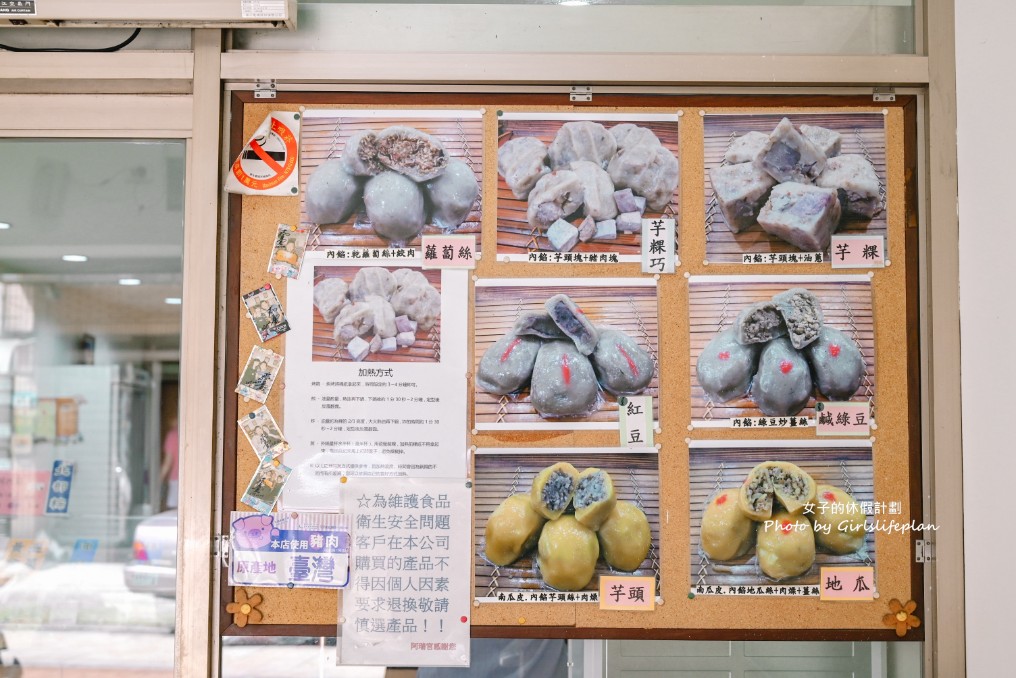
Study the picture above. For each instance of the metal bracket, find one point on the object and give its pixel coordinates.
(581, 93)
(924, 551)
(220, 550)
(883, 95)
(264, 89)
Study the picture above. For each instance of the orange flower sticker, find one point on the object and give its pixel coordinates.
(245, 608)
(901, 617)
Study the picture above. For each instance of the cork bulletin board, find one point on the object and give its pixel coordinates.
(891, 354)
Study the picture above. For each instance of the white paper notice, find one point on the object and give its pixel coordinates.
(408, 600)
(394, 409)
(658, 245)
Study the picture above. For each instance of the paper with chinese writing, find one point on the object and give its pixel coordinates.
(847, 583)
(843, 419)
(449, 251)
(636, 420)
(858, 251)
(293, 550)
(408, 600)
(659, 245)
(59, 495)
(396, 411)
(631, 594)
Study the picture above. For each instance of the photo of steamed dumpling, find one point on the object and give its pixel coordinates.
(384, 181)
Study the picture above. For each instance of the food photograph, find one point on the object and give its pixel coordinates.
(775, 515)
(774, 346)
(552, 520)
(383, 178)
(785, 184)
(376, 314)
(558, 354)
(568, 183)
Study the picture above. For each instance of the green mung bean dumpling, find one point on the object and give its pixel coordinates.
(512, 530)
(594, 498)
(553, 489)
(568, 551)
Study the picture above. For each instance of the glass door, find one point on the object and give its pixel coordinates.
(91, 274)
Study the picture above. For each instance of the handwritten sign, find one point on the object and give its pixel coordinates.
(449, 251)
(658, 245)
(858, 251)
(407, 603)
(632, 594)
(635, 417)
(847, 583)
(843, 419)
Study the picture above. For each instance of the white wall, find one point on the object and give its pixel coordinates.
(985, 102)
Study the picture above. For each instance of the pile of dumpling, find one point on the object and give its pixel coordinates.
(384, 306)
(569, 544)
(606, 177)
(403, 177)
(779, 350)
(769, 509)
(565, 359)
(794, 184)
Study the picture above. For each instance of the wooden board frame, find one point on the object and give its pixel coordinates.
(301, 612)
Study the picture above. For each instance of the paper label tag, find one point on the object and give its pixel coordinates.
(84, 550)
(858, 251)
(783, 258)
(449, 251)
(847, 583)
(632, 594)
(658, 245)
(635, 416)
(17, 7)
(307, 550)
(770, 422)
(843, 419)
(263, 9)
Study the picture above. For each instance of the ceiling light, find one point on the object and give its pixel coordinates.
(128, 282)
(174, 301)
(4, 226)
(574, 3)
(76, 258)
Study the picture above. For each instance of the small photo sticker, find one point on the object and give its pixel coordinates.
(287, 253)
(263, 434)
(266, 312)
(259, 374)
(266, 485)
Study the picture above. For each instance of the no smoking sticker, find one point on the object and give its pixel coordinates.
(267, 165)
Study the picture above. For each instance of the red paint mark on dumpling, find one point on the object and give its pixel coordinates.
(834, 350)
(565, 370)
(720, 500)
(723, 355)
(786, 527)
(786, 366)
(631, 363)
(511, 347)
(828, 496)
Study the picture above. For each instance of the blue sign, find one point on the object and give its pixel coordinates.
(60, 479)
(84, 550)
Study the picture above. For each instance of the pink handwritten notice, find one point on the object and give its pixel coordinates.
(847, 583)
(636, 594)
(449, 251)
(843, 419)
(858, 251)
